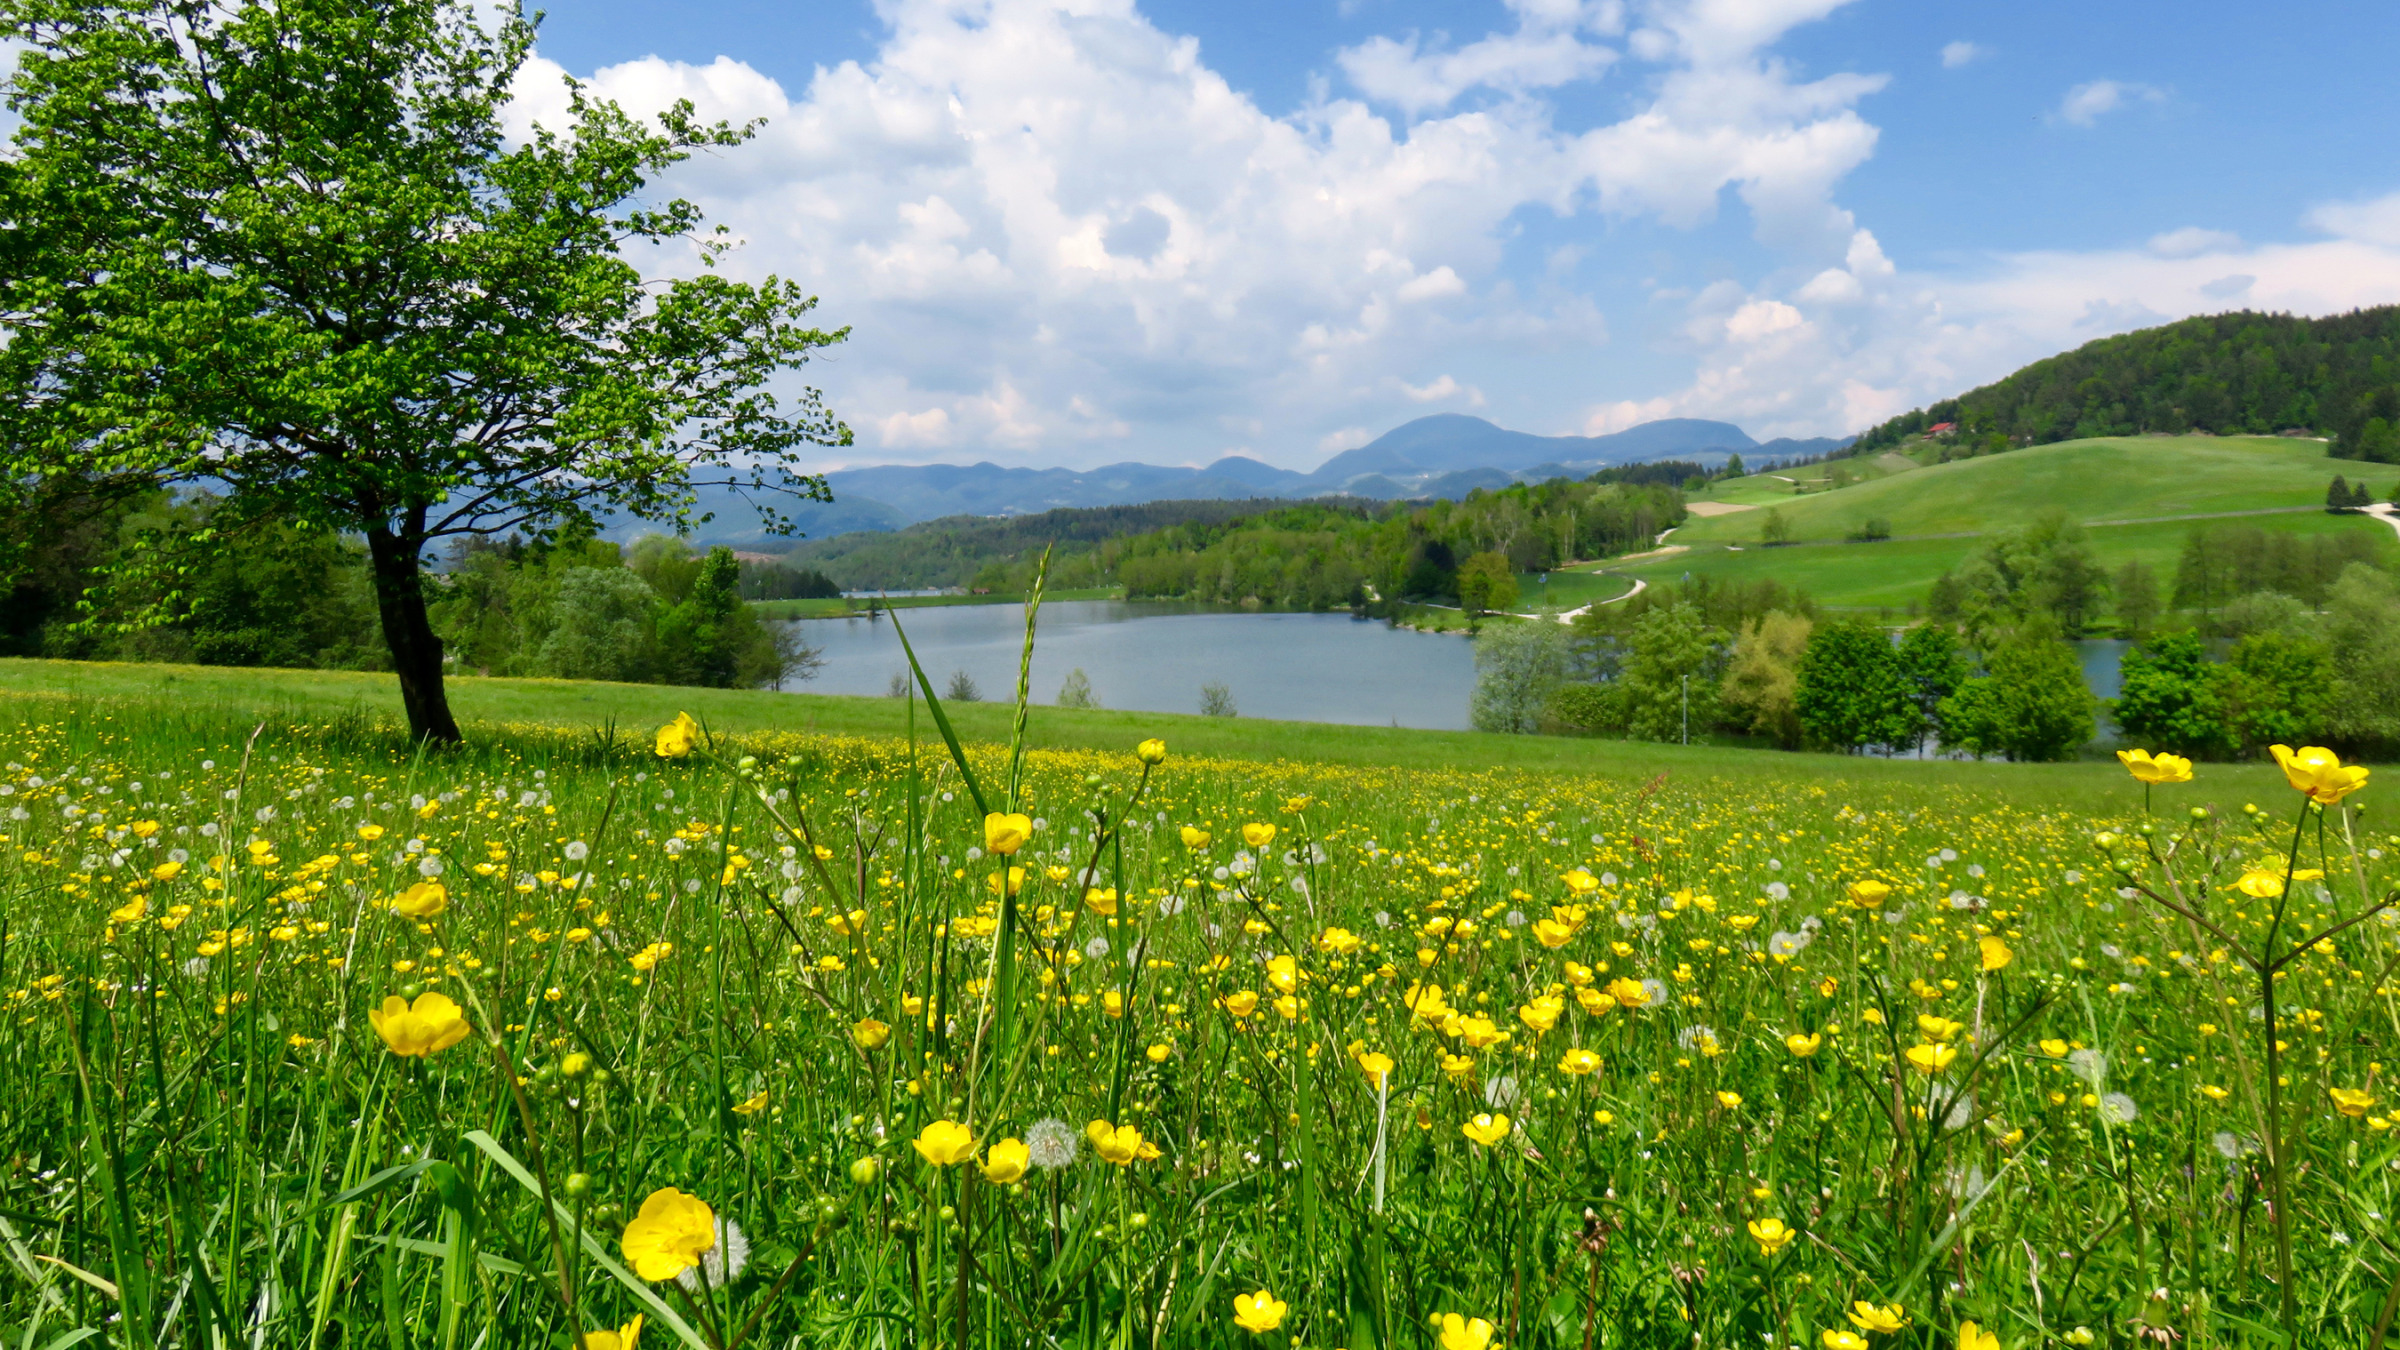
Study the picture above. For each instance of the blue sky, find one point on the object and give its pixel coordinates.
(1078, 231)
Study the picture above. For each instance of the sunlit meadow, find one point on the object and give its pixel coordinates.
(313, 1040)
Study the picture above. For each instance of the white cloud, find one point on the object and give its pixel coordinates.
(904, 430)
(1545, 52)
(1348, 438)
(2191, 241)
(2085, 104)
(1436, 390)
(1956, 54)
(2369, 222)
(1438, 284)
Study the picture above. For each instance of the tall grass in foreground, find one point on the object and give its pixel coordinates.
(809, 1041)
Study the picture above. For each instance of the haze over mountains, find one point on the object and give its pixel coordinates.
(1447, 455)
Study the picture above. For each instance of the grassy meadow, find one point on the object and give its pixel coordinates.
(2138, 499)
(1322, 1036)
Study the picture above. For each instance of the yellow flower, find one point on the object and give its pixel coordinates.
(1996, 954)
(432, 1023)
(1006, 832)
(1339, 941)
(2055, 1049)
(753, 1105)
(1938, 1028)
(370, 833)
(2260, 884)
(869, 1034)
(1006, 1162)
(1377, 1067)
(1284, 973)
(1101, 901)
(1487, 1129)
(421, 901)
(1151, 751)
(2149, 768)
(1580, 881)
(1868, 894)
(1843, 1340)
(1729, 1100)
(626, 1337)
(1887, 1319)
(1973, 1337)
(670, 1235)
(1578, 1062)
(1258, 1312)
(1119, 1144)
(1012, 881)
(1258, 834)
(676, 738)
(2351, 1102)
(2319, 772)
(944, 1142)
(1241, 1002)
(1194, 838)
(1542, 1013)
(1628, 993)
(131, 911)
(1931, 1057)
(166, 871)
(1771, 1235)
(1459, 1333)
(1551, 933)
(1802, 1045)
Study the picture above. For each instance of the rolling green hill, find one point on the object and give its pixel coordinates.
(2138, 497)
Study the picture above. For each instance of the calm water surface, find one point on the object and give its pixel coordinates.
(1148, 657)
(1151, 657)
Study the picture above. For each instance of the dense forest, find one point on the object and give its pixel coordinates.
(76, 585)
(2243, 373)
(953, 550)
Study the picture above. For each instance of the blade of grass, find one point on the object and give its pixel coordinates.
(941, 721)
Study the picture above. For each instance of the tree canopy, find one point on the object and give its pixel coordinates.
(289, 253)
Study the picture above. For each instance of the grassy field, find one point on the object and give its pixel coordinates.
(1939, 514)
(1347, 1038)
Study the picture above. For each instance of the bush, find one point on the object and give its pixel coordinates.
(1518, 666)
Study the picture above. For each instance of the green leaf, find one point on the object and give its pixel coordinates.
(941, 721)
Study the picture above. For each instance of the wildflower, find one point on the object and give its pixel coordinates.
(1486, 1129)
(2260, 884)
(2148, 768)
(1578, 1062)
(1006, 832)
(1258, 834)
(2089, 1065)
(1377, 1067)
(869, 1034)
(166, 871)
(1932, 1057)
(1771, 1235)
(1460, 1333)
(131, 911)
(1241, 1002)
(1868, 894)
(1939, 1028)
(370, 832)
(1973, 1337)
(1339, 941)
(1629, 993)
(1006, 1162)
(670, 1235)
(433, 1023)
(676, 738)
(1284, 973)
(2319, 772)
(1729, 1100)
(722, 1263)
(1542, 1013)
(1160, 1053)
(1886, 1319)
(1050, 1143)
(626, 1337)
(1119, 1144)
(1258, 1312)
(1996, 954)
(423, 900)
(1151, 751)
(1802, 1045)
(944, 1142)
(1194, 839)
(2119, 1108)
(1010, 882)
(752, 1105)
(1101, 901)
(2351, 1102)
(1551, 933)
(1843, 1340)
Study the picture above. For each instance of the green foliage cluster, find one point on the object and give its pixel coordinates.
(2222, 563)
(2237, 373)
(656, 613)
(2042, 568)
(956, 550)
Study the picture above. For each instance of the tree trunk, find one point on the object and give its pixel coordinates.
(408, 634)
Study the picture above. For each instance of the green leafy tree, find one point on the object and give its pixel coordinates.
(1762, 680)
(1670, 681)
(2275, 689)
(2167, 698)
(2029, 704)
(2136, 588)
(1486, 582)
(1931, 668)
(1077, 691)
(1518, 668)
(602, 626)
(291, 250)
(1849, 693)
(2337, 494)
(1773, 529)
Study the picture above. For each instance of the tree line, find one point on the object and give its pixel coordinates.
(2242, 373)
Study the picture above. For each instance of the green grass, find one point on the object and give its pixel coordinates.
(1567, 589)
(490, 704)
(2113, 479)
(660, 988)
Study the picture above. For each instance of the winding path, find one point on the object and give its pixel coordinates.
(2387, 512)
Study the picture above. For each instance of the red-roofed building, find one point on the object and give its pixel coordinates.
(1941, 428)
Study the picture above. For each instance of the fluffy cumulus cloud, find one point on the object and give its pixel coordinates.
(1060, 237)
(2085, 104)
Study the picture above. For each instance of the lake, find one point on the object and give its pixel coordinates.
(1153, 657)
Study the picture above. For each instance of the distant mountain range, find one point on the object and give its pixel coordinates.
(1447, 455)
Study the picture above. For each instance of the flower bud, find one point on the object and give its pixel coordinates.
(579, 1185)
(864, 1171)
